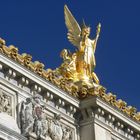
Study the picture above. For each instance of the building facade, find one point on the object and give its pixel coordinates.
(35, 105)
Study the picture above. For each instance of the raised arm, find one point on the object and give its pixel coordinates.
(97, 36)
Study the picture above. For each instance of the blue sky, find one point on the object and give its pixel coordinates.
(37, 27)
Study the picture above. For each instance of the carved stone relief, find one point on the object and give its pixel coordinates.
(33, 120)
(5, 103)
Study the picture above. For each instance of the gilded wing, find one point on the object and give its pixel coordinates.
(73, 27)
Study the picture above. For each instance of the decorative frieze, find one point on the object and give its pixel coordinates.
(10, 73)
(49, 96)
(23, 81)
(36, 88)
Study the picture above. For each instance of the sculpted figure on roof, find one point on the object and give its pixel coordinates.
(80, 65)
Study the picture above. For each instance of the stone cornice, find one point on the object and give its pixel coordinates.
(96, 102)
(99, 111)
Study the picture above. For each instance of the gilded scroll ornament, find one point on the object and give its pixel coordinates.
(24, 59)
(120, 104)
(130, 110)
(137, 116)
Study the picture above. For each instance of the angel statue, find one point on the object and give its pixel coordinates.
(85, 58)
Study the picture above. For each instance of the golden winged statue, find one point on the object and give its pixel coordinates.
(81, 64)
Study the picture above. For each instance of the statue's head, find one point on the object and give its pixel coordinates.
(64, 54)
(74, 56)
(37, 98)
(85, 30)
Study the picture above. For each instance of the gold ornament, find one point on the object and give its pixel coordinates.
(80, 65)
